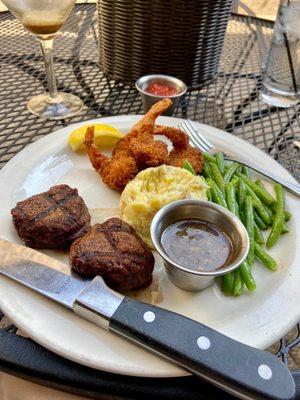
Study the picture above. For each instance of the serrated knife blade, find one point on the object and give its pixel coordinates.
(239, 369)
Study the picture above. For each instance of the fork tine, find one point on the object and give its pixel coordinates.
(194, 137)
(194, 132)
(187, 130)
(195, 143)
(203, 138)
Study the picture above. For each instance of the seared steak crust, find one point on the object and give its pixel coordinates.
(114, 250)
(53, 219)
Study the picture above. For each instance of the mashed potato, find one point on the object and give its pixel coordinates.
(153, 188)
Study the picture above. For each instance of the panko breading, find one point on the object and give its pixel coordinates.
(177, 157)
(139, 150)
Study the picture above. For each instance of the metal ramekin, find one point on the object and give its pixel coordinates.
(149, 99)
(189, 279)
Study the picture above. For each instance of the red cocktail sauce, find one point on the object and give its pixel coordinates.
(161, 89)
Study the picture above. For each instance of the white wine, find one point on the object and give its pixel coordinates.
(43, 25)
(43, 18)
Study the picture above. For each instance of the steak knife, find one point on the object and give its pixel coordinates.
(239, 369)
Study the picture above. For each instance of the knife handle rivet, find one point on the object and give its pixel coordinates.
(203, 342)
(264, 371)
(149, 316)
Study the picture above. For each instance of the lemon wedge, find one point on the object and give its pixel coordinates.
(105, 136)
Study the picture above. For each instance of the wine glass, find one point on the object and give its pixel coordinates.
(44, 18)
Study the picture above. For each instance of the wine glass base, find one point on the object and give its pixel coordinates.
(65, 105)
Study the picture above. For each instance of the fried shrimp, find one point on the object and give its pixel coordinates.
(179, 139)
(146, 124)
(193, 155)
(117, 171)
(134, 152)
(182, 150)
(149, 152)
(139, 150)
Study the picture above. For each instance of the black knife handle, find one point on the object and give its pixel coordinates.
(244, 371)
(26, 359)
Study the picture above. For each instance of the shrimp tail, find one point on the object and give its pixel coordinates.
(98, 160)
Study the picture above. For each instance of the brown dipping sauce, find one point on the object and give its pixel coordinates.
(196, 245)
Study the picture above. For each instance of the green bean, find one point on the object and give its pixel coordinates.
(226, 169)
(265, 258)
(220, 162)
(247, 276)
(287, 214)
(285, 229)
(217, 176)
(231, 170)
(230, 198)
(278, 218)
(258, 235)
(207, 171)
(259, 183)
(243, 283)
(209, 157)
(259, 222)
(260, 191)
(241, 193)
(270, 210)
(208, 194)
(227, 282)
(242, 215)
(237, 287)
(262, 212)
(235, 181)
(187, 165)
(245, 171)
(238, 212)
(259, 207)
(249, 224)
(216, 194)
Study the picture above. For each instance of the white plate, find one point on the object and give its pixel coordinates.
(258, 318)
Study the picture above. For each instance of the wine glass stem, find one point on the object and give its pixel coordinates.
(47, 46)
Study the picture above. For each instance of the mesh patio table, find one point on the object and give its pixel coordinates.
(231, 102)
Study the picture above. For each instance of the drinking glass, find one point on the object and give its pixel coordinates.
(44, 18)
(281, 80)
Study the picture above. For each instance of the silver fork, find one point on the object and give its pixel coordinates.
(203, 144)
